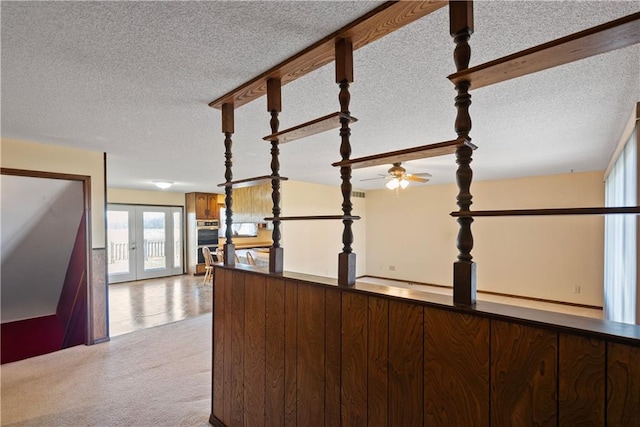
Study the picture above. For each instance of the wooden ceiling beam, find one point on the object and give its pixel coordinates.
(383, 20)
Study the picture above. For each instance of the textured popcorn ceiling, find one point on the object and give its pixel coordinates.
(133, 79)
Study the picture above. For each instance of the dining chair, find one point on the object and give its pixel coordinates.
(220, 254)
(208, 265)
(250, 259)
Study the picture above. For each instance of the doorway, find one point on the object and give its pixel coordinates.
(144, 242)
(45, 244)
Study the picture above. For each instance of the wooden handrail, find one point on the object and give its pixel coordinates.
(414, 153)
(312, 218)
(553, 211)
(250, 182)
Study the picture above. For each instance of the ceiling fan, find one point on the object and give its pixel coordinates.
(398, 177)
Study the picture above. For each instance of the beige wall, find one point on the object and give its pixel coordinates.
(542, 257)
(16, 154)
(312, 247)
(142, 197)
(33, 156)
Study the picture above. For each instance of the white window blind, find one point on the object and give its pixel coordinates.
(621, 257)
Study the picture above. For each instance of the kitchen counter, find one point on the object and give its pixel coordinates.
(248, 245)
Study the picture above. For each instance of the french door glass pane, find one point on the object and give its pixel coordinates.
(177, 240)
(118, 246)
(154, 240)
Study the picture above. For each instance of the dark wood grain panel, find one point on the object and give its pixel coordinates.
(406, 364)
(523, 375)
(254, 349)
(623, 385)
(298, 373)
(275, 353)
(597, 328)
(354, 359)
(290, 352)
(456, 379)
(219, 326)
(581, 381)
(378, 362)
(333, 349)
(310, 361)
(227, 353)
(237, 350)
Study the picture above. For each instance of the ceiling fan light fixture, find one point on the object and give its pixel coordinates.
(403, 183)
(393, 184)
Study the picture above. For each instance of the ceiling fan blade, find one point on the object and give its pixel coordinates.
(380, 176)
(415, 178)
(423, 174)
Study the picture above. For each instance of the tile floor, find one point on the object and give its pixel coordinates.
(152, 302)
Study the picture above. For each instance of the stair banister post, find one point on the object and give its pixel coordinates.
(464, 269)
(227, 129)
(274, 106)
(344, 76)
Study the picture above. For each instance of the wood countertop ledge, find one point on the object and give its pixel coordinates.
(589, 327)
(248, 245)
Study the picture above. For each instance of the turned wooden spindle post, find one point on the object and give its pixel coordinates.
(344, 76)
(464, 269)
(274, 106)
(227, 129)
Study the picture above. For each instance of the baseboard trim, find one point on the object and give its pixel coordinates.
(572, 304)
(101, 340)
(214, 421)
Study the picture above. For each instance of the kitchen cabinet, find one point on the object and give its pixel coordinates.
(199, 207)
(252, 204)
(206, 206)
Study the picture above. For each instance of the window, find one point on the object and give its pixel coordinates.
(621, 234)
(240, 229)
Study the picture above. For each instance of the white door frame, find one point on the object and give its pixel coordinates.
(136, 247)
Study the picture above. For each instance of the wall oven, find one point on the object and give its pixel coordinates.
(207, 232)
(207, 235)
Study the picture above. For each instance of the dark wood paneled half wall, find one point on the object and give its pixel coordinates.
(291, 352)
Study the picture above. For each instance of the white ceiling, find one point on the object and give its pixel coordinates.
(133, 79)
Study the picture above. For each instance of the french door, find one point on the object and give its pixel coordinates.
(143, 242)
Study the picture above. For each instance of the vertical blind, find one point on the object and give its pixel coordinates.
(621, 258)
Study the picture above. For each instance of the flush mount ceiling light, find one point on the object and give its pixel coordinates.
(163, 185)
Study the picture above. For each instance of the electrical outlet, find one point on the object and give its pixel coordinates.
(392, 268)
(576, 289)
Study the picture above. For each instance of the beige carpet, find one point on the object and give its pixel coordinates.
(155, 377)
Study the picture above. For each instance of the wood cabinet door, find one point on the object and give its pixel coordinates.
(212, 207)
(202, 206)
(207, 206)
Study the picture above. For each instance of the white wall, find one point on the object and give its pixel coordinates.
(40, 220)
(33, 156)
(312, 247)
(542, 257)
(141, 197)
